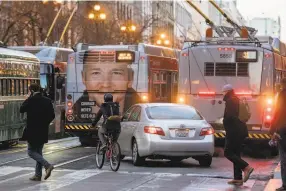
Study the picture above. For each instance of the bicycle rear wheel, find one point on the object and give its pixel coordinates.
(115, 157)
(99, 156)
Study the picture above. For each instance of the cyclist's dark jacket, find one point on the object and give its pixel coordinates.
(105, 111)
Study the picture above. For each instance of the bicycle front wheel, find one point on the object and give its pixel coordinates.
(115, 157)
(99, 156)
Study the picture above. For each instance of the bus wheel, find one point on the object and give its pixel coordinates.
(274, 151)
(83, 141)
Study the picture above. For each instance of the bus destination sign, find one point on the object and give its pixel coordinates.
(246, 56)
(125, 56)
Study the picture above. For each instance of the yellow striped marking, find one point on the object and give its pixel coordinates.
(267, 136)
(67, 127)
(81, 127)
(221, 134)
(71, 127)
(216, 135)
(250, 136)
(261, 136)
(86, 127)
(255, 136)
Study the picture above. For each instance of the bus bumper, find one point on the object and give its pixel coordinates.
(87, 134)
(254, 137)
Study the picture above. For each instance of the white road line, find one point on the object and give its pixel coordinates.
(6, 170)
(16, 177)
(10, 170)
(71, 161)
(45, 153)
(63, 181)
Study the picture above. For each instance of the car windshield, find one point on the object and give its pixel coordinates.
(173, 112)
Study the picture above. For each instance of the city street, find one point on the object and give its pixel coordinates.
(76, 170)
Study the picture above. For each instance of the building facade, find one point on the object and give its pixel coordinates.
(267, 26)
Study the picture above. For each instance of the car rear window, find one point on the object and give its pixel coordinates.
(173, 112)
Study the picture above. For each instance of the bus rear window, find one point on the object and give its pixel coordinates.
(226, 69)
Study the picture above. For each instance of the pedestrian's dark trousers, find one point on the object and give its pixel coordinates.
(282, 153)
(35, 151)
(232, 152)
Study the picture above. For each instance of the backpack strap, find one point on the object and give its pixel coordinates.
(111, 110)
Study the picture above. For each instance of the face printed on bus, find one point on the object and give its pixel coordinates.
(103, 78)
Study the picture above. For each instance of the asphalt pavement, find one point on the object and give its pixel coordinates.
(75, 170)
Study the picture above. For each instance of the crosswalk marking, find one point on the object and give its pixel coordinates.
(63, 181)
(136, 181)
(6, 170)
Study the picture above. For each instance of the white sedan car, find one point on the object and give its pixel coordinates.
(166, 131)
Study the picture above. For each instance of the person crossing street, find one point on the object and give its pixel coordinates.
(40, 113)
(236, 132)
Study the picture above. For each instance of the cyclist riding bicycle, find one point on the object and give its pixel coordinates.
(111, 119)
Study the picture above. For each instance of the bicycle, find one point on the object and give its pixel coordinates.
(112, 152)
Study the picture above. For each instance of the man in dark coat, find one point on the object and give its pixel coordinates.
(236, 132)
(40, 113)
(278, 130)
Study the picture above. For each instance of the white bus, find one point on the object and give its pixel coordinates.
(132, 73)
(253, 68)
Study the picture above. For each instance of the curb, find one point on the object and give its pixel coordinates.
(275, 182)
(277, 172)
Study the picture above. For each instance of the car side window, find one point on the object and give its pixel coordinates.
(135, 115)
(127, 114)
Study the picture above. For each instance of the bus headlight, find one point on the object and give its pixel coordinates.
(181, 99)
(144, 98)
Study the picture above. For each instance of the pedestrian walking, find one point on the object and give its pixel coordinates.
(40, 113)
(278, 130)
(236, 132)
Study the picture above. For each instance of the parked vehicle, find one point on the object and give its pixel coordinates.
(166, 131)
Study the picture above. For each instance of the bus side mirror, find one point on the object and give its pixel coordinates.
(60, 82)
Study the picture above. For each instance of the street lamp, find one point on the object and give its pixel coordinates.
(129, 30)
(167, 42)
(123, 28)
(97, 15)
(102, 16)
(163, 40)
(91, 16)
(97, 7)
(159, 42)
(163, 36)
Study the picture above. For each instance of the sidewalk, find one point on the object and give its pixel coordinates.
(276, 181)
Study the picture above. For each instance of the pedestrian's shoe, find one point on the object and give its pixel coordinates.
(247, 173)
(35, 178)
(49, 171)
(236, 182)
(281, 189)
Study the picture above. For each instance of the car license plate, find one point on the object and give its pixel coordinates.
(182, 132)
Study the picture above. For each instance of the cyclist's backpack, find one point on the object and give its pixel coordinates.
(112, 122)
(244, 111)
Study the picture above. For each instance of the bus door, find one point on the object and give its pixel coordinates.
(159, 86)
